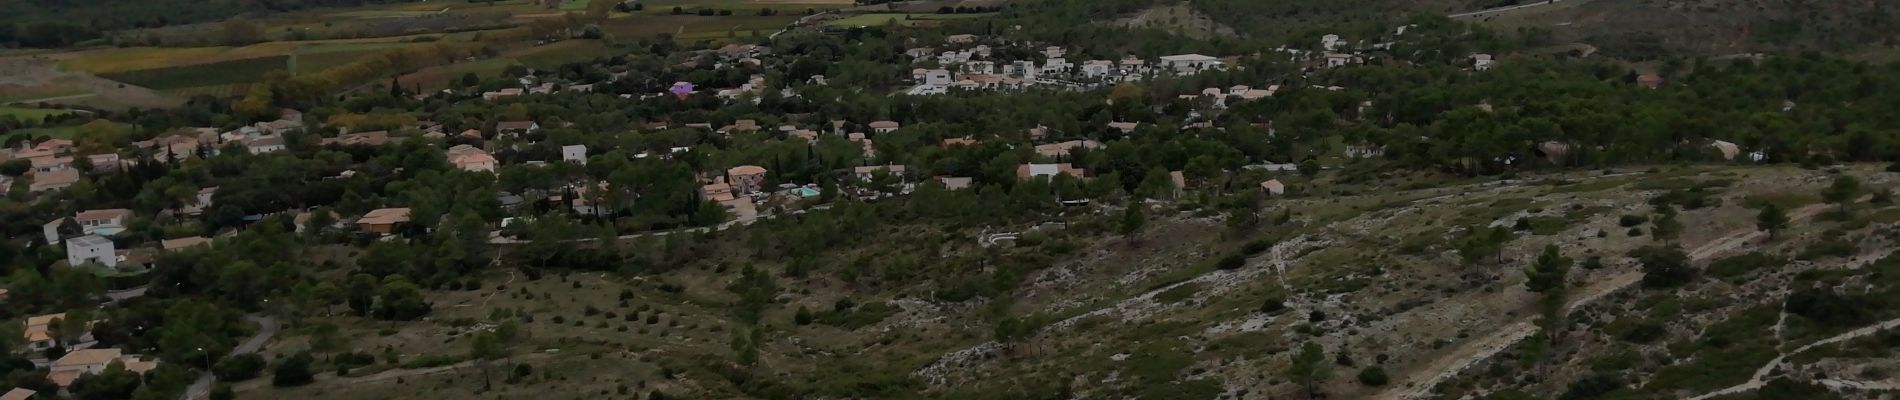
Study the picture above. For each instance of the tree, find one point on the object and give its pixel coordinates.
(293, 371)
(486, 347)
(115, 383)
(1309, 368)
(1309, 167)
(1664, 266)
(1666, 228)
(239, 368)
(1771, 219)
(1132, 220)
(1484, 244)
(1844, 192)
(1549, 272)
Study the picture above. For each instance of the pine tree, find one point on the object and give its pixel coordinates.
(1772, 219)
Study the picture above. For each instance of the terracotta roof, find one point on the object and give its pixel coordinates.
(81, 358)
(59, 178)
(184, 242)
(746, 170)
(885, 125)
(385, 216)
(100, 215)
(18, 394)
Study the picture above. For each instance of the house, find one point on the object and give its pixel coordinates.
(1125, 127)
(472, 134)
(50, 164)
(91, 249)
(56, 180)
(575, 153)
(719, 191)
(960, 39)
(1063, 149)
(384, 221)
(953, 142)
(1033, 171)
(869, 172)
(1097, 68)
(516, 127)
(267, 144)
(1056, 66)
(371, 138)
(1330, 42)
(105, 162)
(469, 158)
(1651, 81)
(884, 126)
(1273, 187)
(1038, 132)
(980, 67)
(1179, 179)
(103, 222)
(502, 94)
(200, 202)
(936, 77)
(590, 200)
(183, 243)
(1336, 60)
(1054, 52)
(955, 182)
(38, 333)
(93, 361)
(1481, 62)
(18, 394)
(746, 178)
(1190, 63)
(54, 146)
(175, 147)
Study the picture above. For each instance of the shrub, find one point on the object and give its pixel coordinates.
(1373, 376)
(1231, 262)
(294, 371)
(1273, 305)
(1256, 247)
(1631, 220)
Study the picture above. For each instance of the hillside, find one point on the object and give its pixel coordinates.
(1373, 273)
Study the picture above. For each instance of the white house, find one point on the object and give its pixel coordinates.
(938, 77)
(1097, 68)
(267, 144)
(1330, 42)
(1336, 60)
(1054, 52)
(1190, 63)
(574, 154)
(1481, 62)
(91, 249)
(1056, 66)
(980, 67)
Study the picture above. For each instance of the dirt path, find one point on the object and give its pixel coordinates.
(1470, 353)
(1761, 374)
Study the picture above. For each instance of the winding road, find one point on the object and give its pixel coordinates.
(266, 327)
(1420, 385)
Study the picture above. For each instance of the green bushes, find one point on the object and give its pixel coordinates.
(1373, 376)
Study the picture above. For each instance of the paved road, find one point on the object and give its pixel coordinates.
(266, 327)
(1502, 9)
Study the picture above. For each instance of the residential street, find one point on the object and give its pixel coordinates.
(266, 327)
